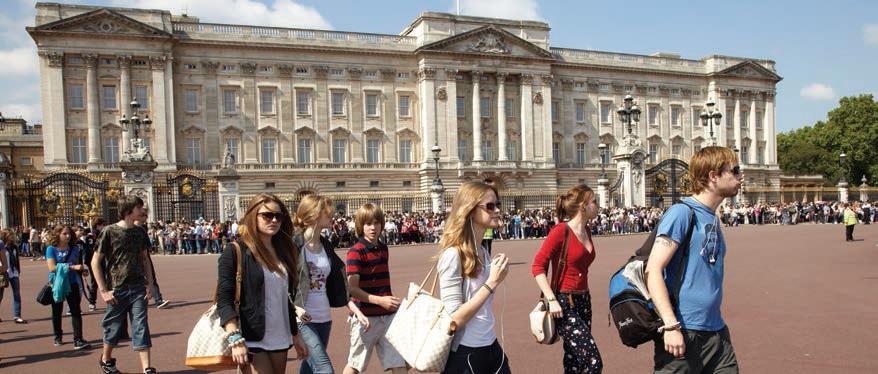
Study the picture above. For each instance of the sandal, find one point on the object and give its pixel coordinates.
(20, 321)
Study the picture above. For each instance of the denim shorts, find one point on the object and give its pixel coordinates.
(131, 300)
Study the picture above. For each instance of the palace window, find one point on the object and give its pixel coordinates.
(232, 146)
(510, 150)
(337, 103)
(696, 117)
(111, 149)
(675, 115)
(487, 150)
(653, 153)
(606, 117)
(759, 119)
(339, 150)
(652, 115)
(374, 184)
(404, 104)
(79, 146)
(461, 150)
(191, 101)
(744, 118)
(109, 96)
(760, 155)
(269, 150)
(303, 102)
(141, 93)
(556, 108)
(229, 100)
(485, 107)
(605, 155)
(676, 149)
(580, 112)
(405, 150)
(336, 72)
(730, 118)
(193, 151)
(266, 101)
(371, 105)
(745, 154)
(510, 108)
(303, 151)
(580, 154)
(373, 147)
(461, 107)
(76, 99)
(556, 153)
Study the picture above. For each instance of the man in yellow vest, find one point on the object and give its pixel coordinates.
(850, 220)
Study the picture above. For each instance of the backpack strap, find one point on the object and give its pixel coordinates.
(681, 265)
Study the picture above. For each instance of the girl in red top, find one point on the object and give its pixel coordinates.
(571, 306)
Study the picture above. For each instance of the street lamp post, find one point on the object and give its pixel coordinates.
(136, 124)
(711, 117)
(437, 189)
(603, 183)
(629, 113)
(844, 169)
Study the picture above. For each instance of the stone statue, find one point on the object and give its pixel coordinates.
(229, 158)
(490, 44)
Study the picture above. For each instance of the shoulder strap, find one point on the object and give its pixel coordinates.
(238, 277)
(681, 266)
(562, 261)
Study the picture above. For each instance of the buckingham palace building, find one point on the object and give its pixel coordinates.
(355, 113)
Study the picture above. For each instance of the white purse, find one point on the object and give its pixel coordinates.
(208, 346)
(542, 324)
(422, 330)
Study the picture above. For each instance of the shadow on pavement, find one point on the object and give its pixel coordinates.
(11, 361)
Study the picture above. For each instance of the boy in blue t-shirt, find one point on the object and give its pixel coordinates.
(695, 338)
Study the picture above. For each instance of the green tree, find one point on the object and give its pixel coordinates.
(851, 128)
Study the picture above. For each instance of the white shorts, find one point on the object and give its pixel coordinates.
(362, 344)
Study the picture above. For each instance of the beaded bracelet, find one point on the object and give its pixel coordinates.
(234, 338)
(237, 342)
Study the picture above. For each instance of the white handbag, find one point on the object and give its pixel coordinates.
(542, 324)
(208, 347)
(422, 330)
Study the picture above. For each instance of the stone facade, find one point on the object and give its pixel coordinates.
(338, 112)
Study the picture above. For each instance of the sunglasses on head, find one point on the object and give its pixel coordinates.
(491, 206)
(271, 216)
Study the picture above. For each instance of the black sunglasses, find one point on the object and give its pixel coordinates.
(271, 216)
(491, 206)
(736, 170)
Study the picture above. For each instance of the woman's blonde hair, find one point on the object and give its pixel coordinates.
(458, 232)
(309, 211)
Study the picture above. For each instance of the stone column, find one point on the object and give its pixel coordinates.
(229, 194)
(54, 108)
(738, 121)
(157, 112)
(320, 109)
(477, 118)
(752, 127)
(526, 116)
(5, 171)
(545, 149)
(93, 109)
(501, 116)
(171, 129)
(125, 95)
(451, 115)
(768, 131)
(427, 83)
(603, 192)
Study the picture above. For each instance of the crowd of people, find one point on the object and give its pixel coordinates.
(293, 276)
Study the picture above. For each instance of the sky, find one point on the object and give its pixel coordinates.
(824, 50)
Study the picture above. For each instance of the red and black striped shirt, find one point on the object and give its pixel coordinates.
(369, 261)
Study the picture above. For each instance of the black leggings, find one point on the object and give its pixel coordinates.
(73, 298)
(478, 360)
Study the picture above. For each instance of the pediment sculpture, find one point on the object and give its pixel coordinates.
(490, 44)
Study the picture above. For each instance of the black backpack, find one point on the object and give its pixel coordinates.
(635, 317)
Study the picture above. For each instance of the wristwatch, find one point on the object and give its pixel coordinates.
(551, 298)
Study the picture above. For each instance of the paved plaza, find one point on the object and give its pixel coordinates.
(798, 299)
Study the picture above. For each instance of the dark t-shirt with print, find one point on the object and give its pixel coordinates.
(123, 254)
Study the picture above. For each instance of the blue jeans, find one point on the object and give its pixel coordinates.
(16, 296)
(129, 302)
(316, 337)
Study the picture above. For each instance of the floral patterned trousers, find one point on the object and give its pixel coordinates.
(581, 354)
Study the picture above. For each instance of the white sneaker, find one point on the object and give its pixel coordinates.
(163, 304)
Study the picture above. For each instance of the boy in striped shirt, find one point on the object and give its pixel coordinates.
(369, 285)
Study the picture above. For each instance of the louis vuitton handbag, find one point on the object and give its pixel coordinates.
(422, 330)
(542, 324)
(208, 347)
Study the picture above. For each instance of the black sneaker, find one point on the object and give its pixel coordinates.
(58, 342)
(109, 367)
(80, 344)
(149, 371)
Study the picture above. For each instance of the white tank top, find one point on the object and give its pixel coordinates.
(277, 315)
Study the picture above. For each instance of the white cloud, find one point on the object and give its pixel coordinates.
(19, 61)
(817, 91)
(30, 112)
(278, 13)
(870, 34)
(509, 9)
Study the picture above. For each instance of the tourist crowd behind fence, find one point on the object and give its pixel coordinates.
(202, 236)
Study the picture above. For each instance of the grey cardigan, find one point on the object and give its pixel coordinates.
(452, 284)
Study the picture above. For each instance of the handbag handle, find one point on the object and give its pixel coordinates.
(238, 279)
(562, 264)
